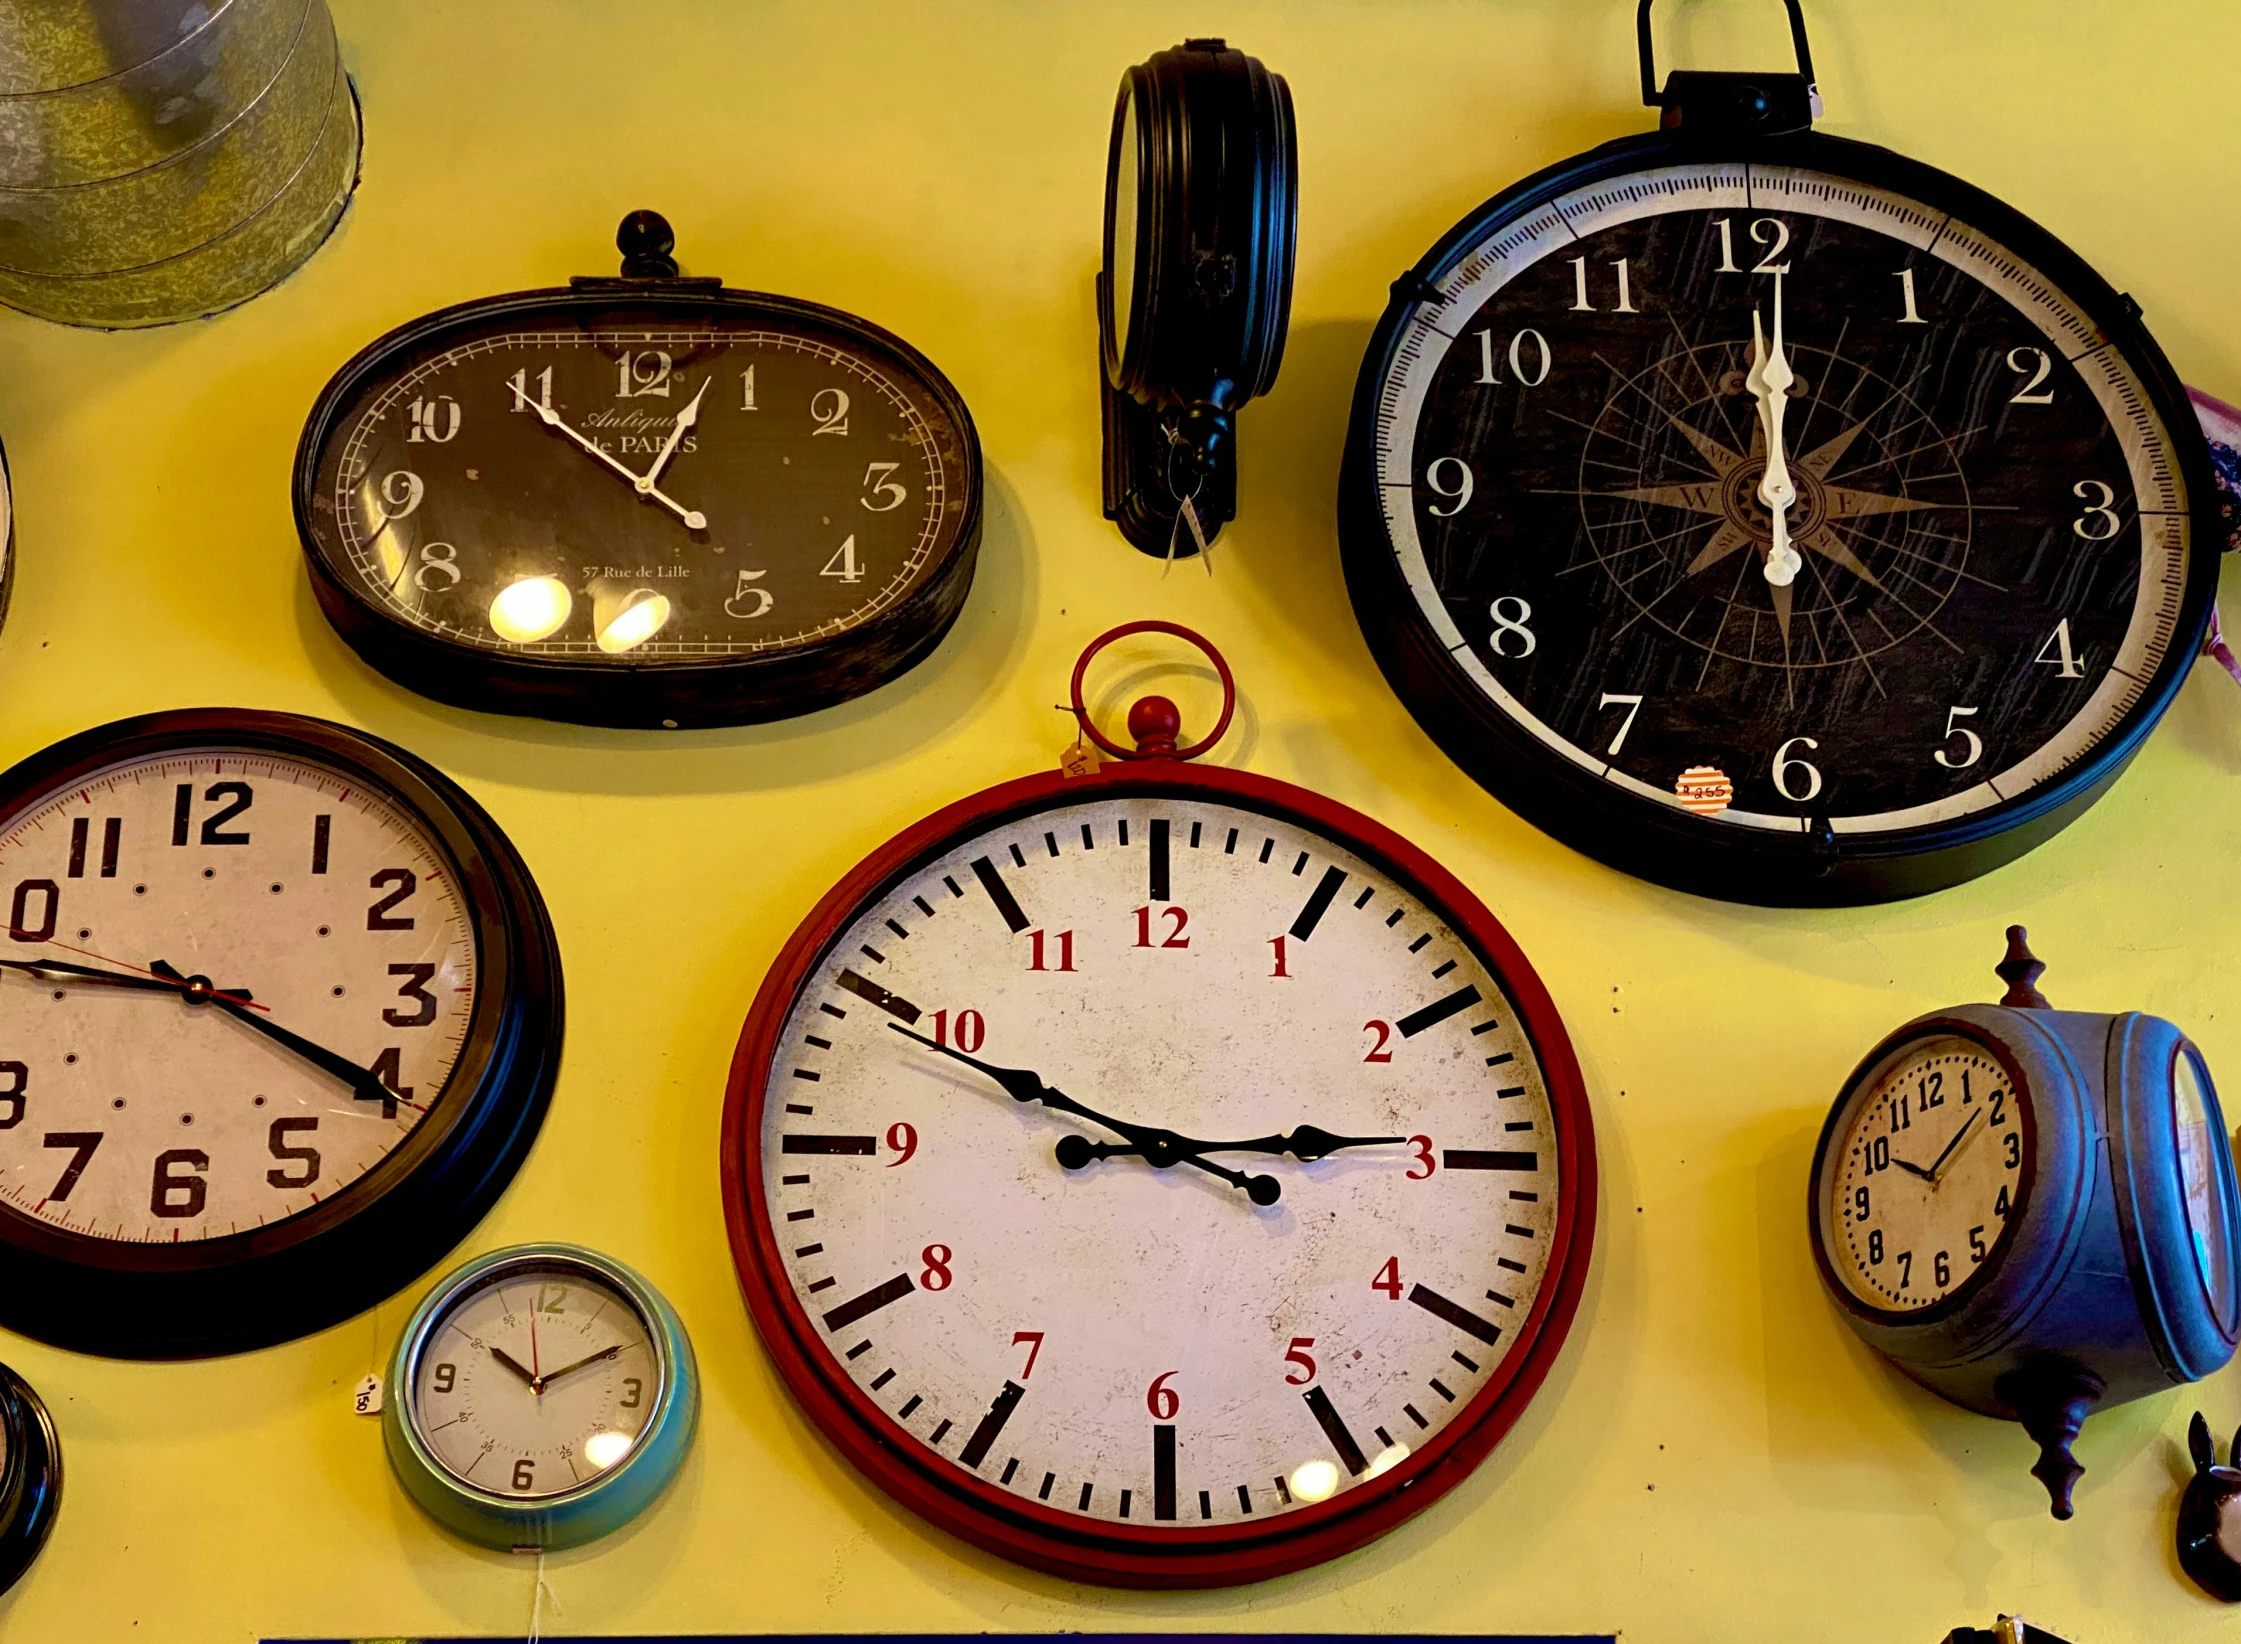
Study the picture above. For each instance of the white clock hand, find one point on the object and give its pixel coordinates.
(1769, 381)
(685, 420)
(694, 519)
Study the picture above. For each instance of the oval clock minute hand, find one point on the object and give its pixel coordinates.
(694, 519)
(1160, 1148)
(57, 970)
(363, 1082)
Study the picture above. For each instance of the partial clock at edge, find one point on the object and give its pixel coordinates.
(646, 501)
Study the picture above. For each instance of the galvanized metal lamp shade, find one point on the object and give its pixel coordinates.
(165, 159)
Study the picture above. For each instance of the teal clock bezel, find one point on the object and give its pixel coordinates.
(593, 1509)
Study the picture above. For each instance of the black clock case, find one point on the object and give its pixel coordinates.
(323, 1265)
(2094, 1283)
(662, 694)
(1662, 843)
(31, 1479)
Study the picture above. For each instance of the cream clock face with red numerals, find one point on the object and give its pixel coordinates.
(1163, 1163)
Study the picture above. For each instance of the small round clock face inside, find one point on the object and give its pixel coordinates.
(1771, 513)
(538, 499)
(2198, 1136)
(1927, 1171)
(282, 1002)
(1019, 1194)
(536, 1381)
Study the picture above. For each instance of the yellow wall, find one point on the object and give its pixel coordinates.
(1714, 1457)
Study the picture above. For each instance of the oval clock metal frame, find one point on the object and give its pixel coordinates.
(128, 1299)
(31, 1478)
(1066, 1544)
(569, 1518)
(1663, 843)
(657, 693)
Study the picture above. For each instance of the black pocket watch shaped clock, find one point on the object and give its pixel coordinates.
(640, 501)
(1201, 203)
(1773, 516)
(2033, 1211)
(280, 1010)
(30, 1476)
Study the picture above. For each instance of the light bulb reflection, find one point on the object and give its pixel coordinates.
(1314, 1481)
(530, 609)
(603, 1450)
(1387, 1459)
(640, 618)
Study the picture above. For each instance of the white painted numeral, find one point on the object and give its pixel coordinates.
(880, 482)
(2019, 360)
(1727, 247)
(1460, 488)
(2063, 658)
(433, 421)
(1633, 707)
(394, 505)
(1505, 625)
(828, 407)
(1580, 302)
(842, 567)
(1906, 291)
(442, 567)
(519, 383)
(747, 389)
(1784, 765)
(2099, 511)
(641, 374)
(1972, 744)
(746, 590)
(1544, 358)
(1774, 234)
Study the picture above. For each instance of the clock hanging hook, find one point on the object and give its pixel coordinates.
(1711, 104)
(1154, 721)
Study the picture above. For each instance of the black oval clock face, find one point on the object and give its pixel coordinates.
(706, 508)
(1779, 512)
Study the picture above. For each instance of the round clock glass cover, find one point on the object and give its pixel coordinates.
(1930, 1168)
(284, 1011)
(1783, 520)
(1139, 1368)
(2197, 1136)
(646, 501)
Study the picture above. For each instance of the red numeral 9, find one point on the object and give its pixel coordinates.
(904, 1140)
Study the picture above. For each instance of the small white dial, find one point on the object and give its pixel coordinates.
(1926, 1174)
(536, 1382)
(233, 983)
(1070, 1298)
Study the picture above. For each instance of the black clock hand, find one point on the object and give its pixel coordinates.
(550, 1376)
(1912, 1169)
(363, 1082)
(1160, 1148)
(510, 1362)
(113, 978)
(1959, 1136)
(1307, 1143)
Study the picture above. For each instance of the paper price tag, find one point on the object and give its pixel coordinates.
(366, 1400)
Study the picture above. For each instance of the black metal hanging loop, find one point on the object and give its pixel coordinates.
(1704, 103)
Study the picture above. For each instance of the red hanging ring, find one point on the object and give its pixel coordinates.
(1154, 721)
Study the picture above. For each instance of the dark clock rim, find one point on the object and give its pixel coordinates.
(667, 693)
(1054, 1541)
(1661, 843)
(1881, 1059)
(132, 1299)
(31, 1480)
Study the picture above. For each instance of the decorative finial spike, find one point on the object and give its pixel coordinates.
(2021, 970)
(646, 240)
(2052, 1402)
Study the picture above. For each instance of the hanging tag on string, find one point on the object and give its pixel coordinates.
(1186, 513)
(365, 1399)
(1080, 759)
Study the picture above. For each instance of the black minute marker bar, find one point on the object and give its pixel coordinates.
(863, 987)
(871, 1301)
(1318, 904)
(863, 1146)
(1438, 1011)
(1461, 1317)
(992, 1425)
(1000, 893)
(1334, 1429)
(1163, 1471)
(1157, 867)
(1459, 1158)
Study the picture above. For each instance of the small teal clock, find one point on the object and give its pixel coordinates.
(540, 1396)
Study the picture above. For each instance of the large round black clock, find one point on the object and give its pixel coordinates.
(1772, 516)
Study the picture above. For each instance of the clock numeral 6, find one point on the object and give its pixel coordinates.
(525, 1474)
(936, 1276)
(1942, 1269)
(1786, 767)
(1301, 1360)
(191, 1191)
(12, 1101)
(1162, 1400)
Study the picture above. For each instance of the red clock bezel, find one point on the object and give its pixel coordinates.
(1066, 1544)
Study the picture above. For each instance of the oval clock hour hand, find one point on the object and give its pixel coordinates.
(1160, 1148)
(1307, 1143)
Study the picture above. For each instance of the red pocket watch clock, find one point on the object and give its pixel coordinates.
(1162, 1176)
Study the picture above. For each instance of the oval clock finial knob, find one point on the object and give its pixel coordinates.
(646, 240)
(1155, 723)
(2021, 970)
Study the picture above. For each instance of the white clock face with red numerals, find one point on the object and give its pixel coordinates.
(134, 1105)
(983, 1158)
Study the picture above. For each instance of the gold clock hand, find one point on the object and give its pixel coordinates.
(551, 1376)
(694, 519)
